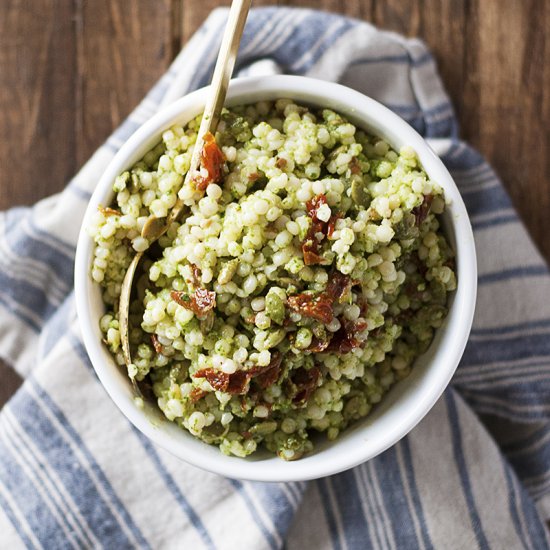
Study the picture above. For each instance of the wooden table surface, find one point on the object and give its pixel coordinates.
(70, 71)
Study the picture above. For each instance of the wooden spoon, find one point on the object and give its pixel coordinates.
(156, 227)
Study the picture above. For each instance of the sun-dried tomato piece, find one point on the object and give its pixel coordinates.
(360, 326)
(230, 383)
(363, 306)
(312, 242)
(311, 257)
(196, 273)
(310, 246)
(276, 360)
(339, 286)
(180, 297)
(237, 382)
(156, 344)
(268, 375)
(344, 340)
(317, 306)
(305, 382)
(317, 345)
(200, 302)
(313, 205)
(211, 162)
(203, 301)
(217, 379)
(332, 224)
(421, 212)
(196, 394)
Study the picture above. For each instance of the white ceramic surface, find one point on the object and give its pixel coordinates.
(407, 402)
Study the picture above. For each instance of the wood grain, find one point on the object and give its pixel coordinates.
(123, 48)
(362, 9)
(9, 382)
(506, 107)
(37, 104)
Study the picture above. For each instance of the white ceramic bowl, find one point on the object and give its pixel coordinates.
(407, 402)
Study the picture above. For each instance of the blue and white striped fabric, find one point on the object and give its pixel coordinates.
(474, 473)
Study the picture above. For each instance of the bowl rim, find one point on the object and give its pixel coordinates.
(350, 101)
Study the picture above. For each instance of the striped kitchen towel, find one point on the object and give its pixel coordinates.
(474, 473)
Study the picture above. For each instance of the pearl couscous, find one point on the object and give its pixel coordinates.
(293, 293)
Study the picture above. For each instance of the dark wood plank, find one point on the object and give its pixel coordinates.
(442, 27)
(194, 14)
(124, 46)
(362, 9)
(506, 106)
(37, 106)
(9, 382)
(402, 17)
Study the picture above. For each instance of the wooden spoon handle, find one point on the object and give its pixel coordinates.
(220, 80)
(224, 65)
(155, 227)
